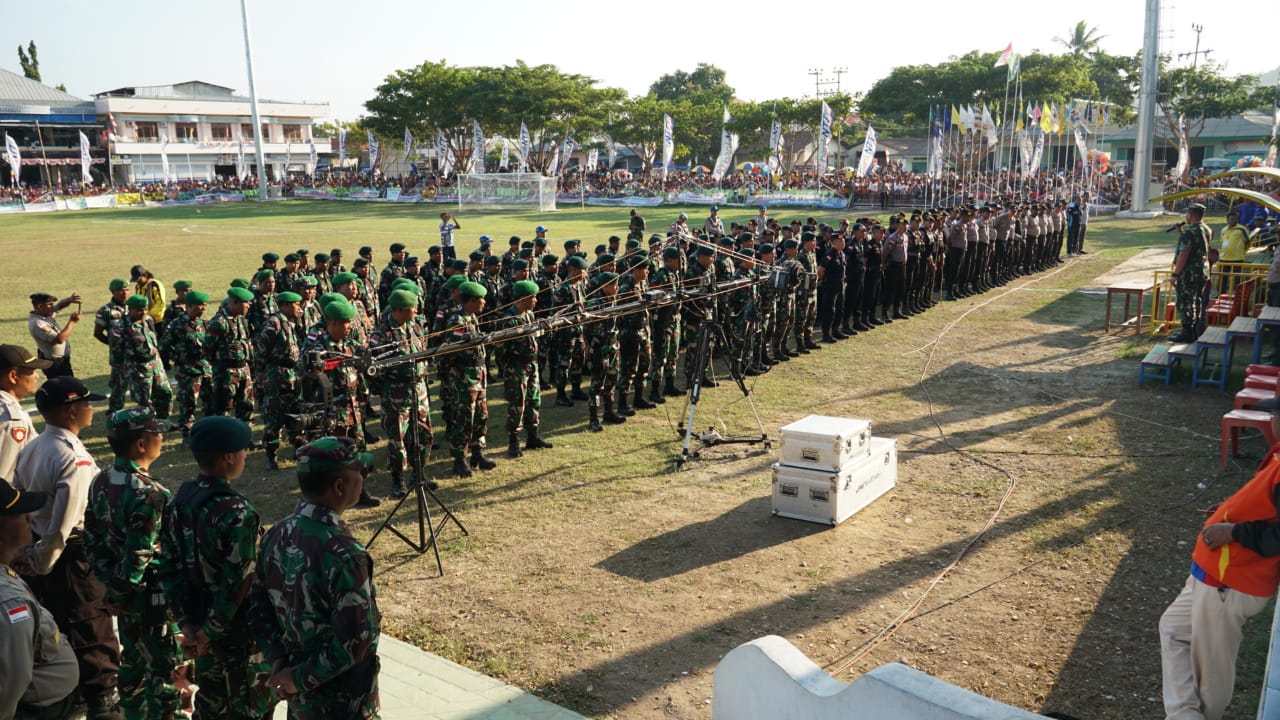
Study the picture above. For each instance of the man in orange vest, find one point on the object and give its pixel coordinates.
(1235, 569)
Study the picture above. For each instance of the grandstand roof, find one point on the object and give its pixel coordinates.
(18, 90)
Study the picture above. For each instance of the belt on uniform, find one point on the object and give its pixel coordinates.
(232, 365)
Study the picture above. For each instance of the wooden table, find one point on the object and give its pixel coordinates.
(1129, 289)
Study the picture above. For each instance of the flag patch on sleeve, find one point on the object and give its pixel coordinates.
(19, 614)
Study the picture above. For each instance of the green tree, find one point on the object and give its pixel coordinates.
(702, 96)
(30, 61)
(801, 123)
(1189, 96)
(1083, 39)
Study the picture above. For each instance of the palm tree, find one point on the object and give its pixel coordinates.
(1083, 40)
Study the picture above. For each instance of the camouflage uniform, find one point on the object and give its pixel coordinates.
(121, 540)
(344, 379)
(314, 608)
(404, 388)
(604, 356)
(786, 304)
(806, 299)
(762, 340)
(208, 553)
(697, 278)
(183, 344)
(666, 334)
(636, 348)
(520, 384)
(392, 272)
(1194, 240)
(230, 350)
(147, 381)
(277, 346)
(106, 318)
(569, 344)
(464, 380)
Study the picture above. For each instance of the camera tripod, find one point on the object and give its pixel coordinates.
(710, 336)
(428, 529)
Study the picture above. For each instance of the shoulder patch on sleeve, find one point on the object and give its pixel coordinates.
(19, 614)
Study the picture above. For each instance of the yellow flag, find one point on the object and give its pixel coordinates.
(1046, 111)
(956, 121)
(1062, 119)
(1020, 124)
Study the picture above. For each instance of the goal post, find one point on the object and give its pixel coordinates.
(511, 190)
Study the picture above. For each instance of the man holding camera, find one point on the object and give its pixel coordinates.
(1191, 271)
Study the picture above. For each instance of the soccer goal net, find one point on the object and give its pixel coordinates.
(521, 190)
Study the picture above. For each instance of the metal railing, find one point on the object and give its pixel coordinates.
(1235, 289)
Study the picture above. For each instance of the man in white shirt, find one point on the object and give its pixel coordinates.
(51, 338)
(57, 464)
(448, 223)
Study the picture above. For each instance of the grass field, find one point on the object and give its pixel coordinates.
(597, 577)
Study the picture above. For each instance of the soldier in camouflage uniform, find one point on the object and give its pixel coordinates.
(807, 295)
(230, 350)
(464, 381)
(177, 306)
(278, 345)
(603, 352)
(792, 270)
(320, 273)
(104, 321)
(761, 353)
(569, 344)
(1191, 272)
(633, 329)
(121, 541)
(313, 605)
(404, 391)
(519, 366)
(740, 315)
(547, 283)
(666, 329)
(208, 552)
(392, 272)
(147, 381)
(184, 345)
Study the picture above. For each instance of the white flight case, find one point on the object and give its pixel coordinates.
(820, 442)
(832, 496)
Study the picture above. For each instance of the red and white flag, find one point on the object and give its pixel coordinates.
(1006, 56)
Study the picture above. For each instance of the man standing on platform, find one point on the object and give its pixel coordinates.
(1191, 271)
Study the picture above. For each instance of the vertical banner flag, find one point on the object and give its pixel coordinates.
(525, 146)
(444, 156)
(613, 153)
(566, 151)
(342, 147)
(288, 159)
(553, 168)
(313, 157)
(868, 152)
(85, 161)
(1024, 150)
(373, 152)
(164, 157)
(477, 147)
(408, 143)
(115, 129)
(1275, 125)
(935, 151)
(668, 143)
(593, 161)
(1082, 146)
(14, 157)
(824, 138)
(725, 158)
(1037, 155)
(775, 146)
(505, 162)
(240, 171)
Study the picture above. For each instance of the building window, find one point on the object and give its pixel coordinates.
(147, 131)
(185, 132)
(292, 133)
(266, 132)
(246, 131)
(220, 131)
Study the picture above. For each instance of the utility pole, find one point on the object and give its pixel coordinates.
(1195, 55)
(819, 82)
(1146, 108)
(259, 155)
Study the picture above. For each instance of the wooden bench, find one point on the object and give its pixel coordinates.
(1157, 365)
(1212, 340)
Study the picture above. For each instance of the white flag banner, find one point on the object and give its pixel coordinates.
(668, 143)
(868, 152)
(1036, 156)
(288, 160)
(342, 147)
(86, 161)
(593, 161)
(935, 152)
(613, 153)
(1024, 150)
(526, 145)
(824, 138)
(164, 157)
(566, 151)
(775, 146)
(1275, 126)
(477, 147)
(408, 143)
(444, 156)
(313, 157)
(240, 167)
(989, 125)
(14, 156)
(505, 162)
(373, 152)
(1082, 146)
(554, 166)
(728, 146)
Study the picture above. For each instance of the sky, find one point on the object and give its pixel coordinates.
(339, 52)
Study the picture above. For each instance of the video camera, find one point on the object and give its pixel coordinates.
(315, 417)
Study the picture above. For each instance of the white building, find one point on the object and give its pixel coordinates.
(199, 126)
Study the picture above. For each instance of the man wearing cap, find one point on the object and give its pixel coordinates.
(57, 464)
(270, 261)
(448, 223)
(320, 271)
(40, 674)
(104, 331)
(392, 272)
(636, 348)
(277, 345)
(51, 339)
(176, 307)
(465, 379)
(680, 228)
(286, 277)
(313, 605)
(230, 351)
(121, 541)
(184, 345)
(208, 552)
(713, 226)
(666, 328)
(635, 225)
(142, 368)
(603, 352)
(1191, 271)
(17, 380)
(569, 349)
(406, 407)
(519, 367)
(807, 293)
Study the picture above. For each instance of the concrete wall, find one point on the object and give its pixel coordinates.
(769, 679)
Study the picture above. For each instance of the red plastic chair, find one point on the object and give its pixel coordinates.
(1232, 423)
(1247, 398)
(1263, 382)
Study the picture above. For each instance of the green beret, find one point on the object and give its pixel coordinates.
(745, 237)
(219, 434)
(577, 262)
(195, 297)
(789, 244)
(288, 297)
(476, 256)
(182, 285)
(460, 264)
(605, 259)
(328, 454)
(322, 257)
(402, 300)
(434, 250)
(605, 278)
(524, 288)
(359, 263)
(305, 281)
(806, 236)
(118, 284)
(343, 278)
(725, 240)
(654, 239)
(137, 302)
(329, 297)
(614, 239)
(411, 261)
(365, 250)
(764, 248)
(240, 283)
(335, 253)
(513, 240)
(526, 253)
(239, 293)
(454, 281)
(303, 251)
(292, 257)
(396, 247)
(745, 253)
(270, 257)
(601, 249)
(671, 253)
(704, 250)
(491, 260)
(406, 284)
(632, 244)
(264, 274)
(339, 311)
(549, 259)
(520, 264)
(472, 290)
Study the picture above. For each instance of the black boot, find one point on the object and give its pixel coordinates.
(478, 460)
(535, 441)
(562, 399)
(368, 501)
(778, 353)
(271, 465)
(397, 486)
(513, 446)
(669, 388)
(460, 467)
(371, 437)
(577, 393)
(610, 416)
(655, 396)
(639, 402)
(624, 409)
(801, 347)
(709, 382)
(594, 423)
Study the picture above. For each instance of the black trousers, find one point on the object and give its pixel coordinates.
(955, 259)
(892, 292)
(851, 313)
(61, 367)
(830, 306)
(78, 602)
